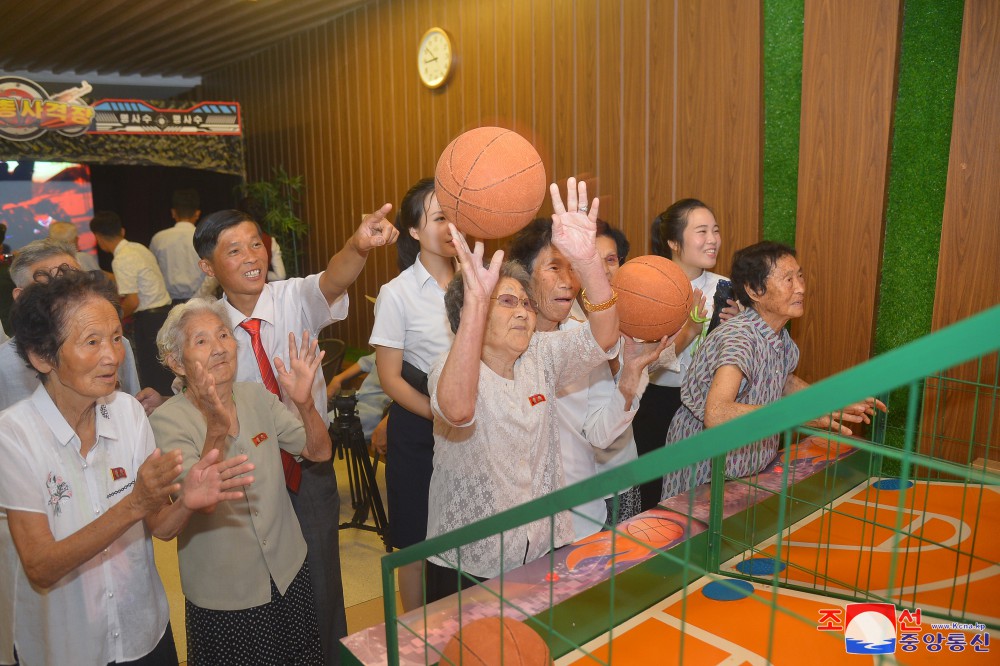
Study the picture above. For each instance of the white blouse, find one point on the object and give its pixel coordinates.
(112, 607)
(509, 454)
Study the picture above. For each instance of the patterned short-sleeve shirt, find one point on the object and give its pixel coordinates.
(765, 358)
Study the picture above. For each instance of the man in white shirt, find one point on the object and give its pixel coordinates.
(174, 248)
(263, 314)
(143, 295)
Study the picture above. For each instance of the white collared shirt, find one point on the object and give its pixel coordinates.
(287, 306)
(174, 252)
(137, 272)
(410, 315)
(112, 607)
(592, 413)
(671, 371)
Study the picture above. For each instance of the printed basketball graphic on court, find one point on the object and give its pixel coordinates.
(849, 546)
(652, 530)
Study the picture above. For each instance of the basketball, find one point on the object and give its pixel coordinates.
(654, 297)
(655, 531)
(490, 182)
(480, 645)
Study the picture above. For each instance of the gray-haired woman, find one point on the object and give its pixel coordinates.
(243, 571)
(493, 395)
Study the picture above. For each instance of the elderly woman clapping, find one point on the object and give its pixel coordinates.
(83, 486)
(748, 362)
(493, 394)
(243, 569)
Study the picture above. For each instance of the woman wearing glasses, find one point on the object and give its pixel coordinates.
(410, 333)
(493, 396)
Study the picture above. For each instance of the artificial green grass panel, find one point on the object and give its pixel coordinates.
(928, 67)
(783, 24)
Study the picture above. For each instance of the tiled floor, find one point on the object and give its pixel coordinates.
(360, 551)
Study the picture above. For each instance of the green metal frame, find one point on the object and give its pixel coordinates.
(907, 366)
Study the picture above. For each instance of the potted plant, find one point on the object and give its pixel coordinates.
(274, 202)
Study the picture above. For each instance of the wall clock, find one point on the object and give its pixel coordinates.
(435, 58)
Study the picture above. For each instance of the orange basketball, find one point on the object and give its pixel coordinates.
(654, 297)
(479, 644)
(490, 182)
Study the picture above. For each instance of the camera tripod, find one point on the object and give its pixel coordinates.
(349, 441)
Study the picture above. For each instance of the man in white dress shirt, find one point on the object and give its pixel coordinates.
(263, 315)
(174, 248)
(143, 295)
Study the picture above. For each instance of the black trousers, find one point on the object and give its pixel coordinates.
(152, 374)
(317, 506)
(652, 421)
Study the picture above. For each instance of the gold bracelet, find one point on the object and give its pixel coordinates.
(591, 307)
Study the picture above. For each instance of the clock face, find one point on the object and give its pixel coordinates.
(434, 58)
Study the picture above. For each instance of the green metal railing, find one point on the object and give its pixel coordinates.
(896, 449)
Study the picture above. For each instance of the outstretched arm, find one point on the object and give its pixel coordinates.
(344, 267)
(574, 234)
(458, 386)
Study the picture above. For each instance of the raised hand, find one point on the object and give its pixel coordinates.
(375, 230)
(640, 354)
(150, 399)
(700, 306)
(574, 225)
(202, 393)
(478, 280)
(296, 382)
(210, 481)
(858, 412)
(154, 482)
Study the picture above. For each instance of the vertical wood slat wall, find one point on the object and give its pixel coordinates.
(968, 278)
(592, 83)
(849, 63)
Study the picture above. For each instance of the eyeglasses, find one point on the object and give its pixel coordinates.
(511, 301)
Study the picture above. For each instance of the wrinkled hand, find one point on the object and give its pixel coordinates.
(731, 310)
(574, 226)
(379, 440)
(478, 280)
(858, 412)
(375, 230)
(150, 399)
(154, 481)
(297, 381)
(639, 354)
(202, 393)
(209, 482)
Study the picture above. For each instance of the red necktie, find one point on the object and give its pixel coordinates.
(293, 471)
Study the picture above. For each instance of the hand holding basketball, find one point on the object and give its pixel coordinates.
(375, 230)
(574, 226)
(478, 280)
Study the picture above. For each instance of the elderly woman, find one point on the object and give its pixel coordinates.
(598, 408)
(747, 363)
(243, 567)
(496, 443)
(83, 487)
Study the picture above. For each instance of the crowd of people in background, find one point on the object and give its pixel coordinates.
(179, 396)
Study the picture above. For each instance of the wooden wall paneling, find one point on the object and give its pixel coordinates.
(587, 46)
(634, 121)
(606, 110)
(542, 74)
(661, 88)
(850, 54)
(565, 110)
(522, 67)
(720, 102)
(960, 419)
